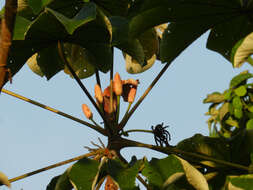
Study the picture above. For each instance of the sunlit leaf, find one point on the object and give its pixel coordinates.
(249, 124)
(242, 50)
(33, 65)
(237, 102)
(193, 176)
(215, 97)
(241, 91)
(238, 79)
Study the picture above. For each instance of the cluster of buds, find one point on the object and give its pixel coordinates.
(108, 101)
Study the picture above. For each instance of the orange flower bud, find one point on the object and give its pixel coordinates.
(131, 95)
(110, 184)
(98, 94)
(86, 111)
(117, 85)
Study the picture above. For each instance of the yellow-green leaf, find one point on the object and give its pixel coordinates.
(242, 50)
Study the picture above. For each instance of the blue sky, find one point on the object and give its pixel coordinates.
(32, 138)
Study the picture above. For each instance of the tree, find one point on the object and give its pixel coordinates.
(80, 40)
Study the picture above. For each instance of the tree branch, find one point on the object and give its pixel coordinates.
(96, 128)
(7, 25)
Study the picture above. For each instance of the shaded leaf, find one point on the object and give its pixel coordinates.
(160, 176)
(124, 176)
(179, 36)
(244, 182)
(4, 180)
(80, 61)
(121, 39)
(38, 5)
(83, 173)
(85, 15)
(60, 182)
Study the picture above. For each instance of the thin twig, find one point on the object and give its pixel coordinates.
(51, 166)
(98, 129)
(138, 130)
(124, 121)
(98, 78)
(60, 48)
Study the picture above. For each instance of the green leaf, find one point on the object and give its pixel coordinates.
(249, 124)
(149, 42)
(4, 180)
(178, 36)
(238, 113)
(60, 182)
(83, 173)
(162, 172)
(178, 11)
(123, 175)
(228, 33)
(215, 97)
(85, 15)
(242, 50)
(227, 94)
(241, 91)
(33, 65)
(80, 60)
(244, 182)
(238, 79)
(121, 39)
(193, 176)
(237, 102)
(224, 109)
(49, 61)
(232, 122)
(250, 109)
(21, 26)
(38, 5)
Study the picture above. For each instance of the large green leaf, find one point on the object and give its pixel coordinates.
(83, 173)
(242, 50)
(123, 175)
(88, 28)
(239, 79)
(150, 43)
(60, 182)
(162, 172)
(227, 37)
(121, 39)
(179, 11)
(38, 5)
(244, 182)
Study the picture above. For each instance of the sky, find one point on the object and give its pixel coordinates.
(32, 138)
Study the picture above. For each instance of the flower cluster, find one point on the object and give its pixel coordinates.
(108, 100)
